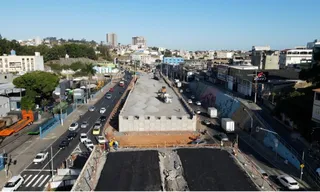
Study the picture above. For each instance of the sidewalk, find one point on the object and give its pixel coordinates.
(24, 155)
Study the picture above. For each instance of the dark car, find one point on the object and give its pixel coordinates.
(103, 118)
(72, 135)
(64, 144)
(108, 96)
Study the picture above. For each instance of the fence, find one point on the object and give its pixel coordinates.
(171, 145)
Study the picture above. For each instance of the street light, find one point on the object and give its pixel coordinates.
(251, 126)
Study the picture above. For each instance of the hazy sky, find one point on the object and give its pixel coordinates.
(176, 24)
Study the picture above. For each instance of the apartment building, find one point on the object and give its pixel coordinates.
(112, 39)
(294, 57)
(264, 57)
(19, 64)
(139, 41)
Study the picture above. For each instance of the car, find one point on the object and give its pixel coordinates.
(198, 111)
(198, 103)
(206, 122)
(108, 96)
(193, 97)
(40, 157)
(14, 183)
(83, 137)
(71, 135)
(288, 182)
(223, 137)
(92, 108)
(189, 101)
(103, 110)
(101, 139)
(64, 143)
(74, 126)
(84, 124)
(198, 141)
(88, 143)
(111, 89)
(103, 118)
(97, 125)
(96, 131)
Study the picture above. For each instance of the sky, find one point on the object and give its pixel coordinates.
(173, 24)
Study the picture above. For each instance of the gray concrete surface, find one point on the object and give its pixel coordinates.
(143, 100)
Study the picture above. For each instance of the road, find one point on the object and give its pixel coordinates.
(37, 175)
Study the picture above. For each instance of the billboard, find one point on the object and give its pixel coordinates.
(261, 77)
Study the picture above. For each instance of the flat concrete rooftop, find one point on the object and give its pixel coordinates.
(143, 99)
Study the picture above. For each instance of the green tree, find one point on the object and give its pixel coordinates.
(105, 52)
(28, 103)
(38, 84)
(311, 75)
(76, 66)
(167, 53)
(89, 70)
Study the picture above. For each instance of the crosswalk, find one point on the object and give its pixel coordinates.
(35, 181)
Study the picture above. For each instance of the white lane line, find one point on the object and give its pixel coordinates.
(27, 179)
(32, 180)
(37, 181)
(107, 106)
(44, 180)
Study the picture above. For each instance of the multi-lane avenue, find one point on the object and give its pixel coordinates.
(37, 175)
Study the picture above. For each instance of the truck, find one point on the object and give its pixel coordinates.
(27, 119)
(227, 125)
(7, 121)
(212, 112)
(121, 83)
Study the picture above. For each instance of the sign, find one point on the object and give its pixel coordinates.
(302, 165)
(261, 77)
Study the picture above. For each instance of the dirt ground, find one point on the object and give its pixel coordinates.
(131, 171)
(154, 139)
(213, 170)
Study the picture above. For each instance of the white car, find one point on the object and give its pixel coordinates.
(83, 137)
(101, 139)
(198, 103)
(84, 124)
(103, 110)
(88, 143)
(198, 111)
(189, 101)
(40, 157)
(74, 126)
(13, 184)
(193, 97)
(288, 182)
(92, 108)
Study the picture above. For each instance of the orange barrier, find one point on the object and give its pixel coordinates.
(27, 119)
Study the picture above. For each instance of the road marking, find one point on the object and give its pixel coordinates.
(27, 178)
(44, 180)
(32, 180)
(38, 170)
(107, 106)
(37, 181)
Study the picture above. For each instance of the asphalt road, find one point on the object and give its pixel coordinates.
(34, 173)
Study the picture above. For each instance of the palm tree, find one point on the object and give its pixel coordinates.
(89, 70)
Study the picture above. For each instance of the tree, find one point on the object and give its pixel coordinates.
(28, 103)
(39, 84)
(89, 70)
(311, 75)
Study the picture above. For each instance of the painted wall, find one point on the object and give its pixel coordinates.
(213, 97)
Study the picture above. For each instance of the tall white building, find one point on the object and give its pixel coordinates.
(112, 39)
(16, 63)
(294, 56)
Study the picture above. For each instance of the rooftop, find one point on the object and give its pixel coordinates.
(143, 100)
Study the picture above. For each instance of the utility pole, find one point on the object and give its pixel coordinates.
(302, 166)
(256, 87)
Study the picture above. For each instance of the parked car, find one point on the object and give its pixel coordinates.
(96, 131)
(288, 182)
(189, 101)
(72, 135)
(108, 96)
(223, 137)
(198, 103)
(92, 108)
(206, 122)
(101, 139)
(64, 144)
(74, 126)
(83, 137)
(40, 157)
(14, 183)
(103, 110)
(84, 124)
(102, 118)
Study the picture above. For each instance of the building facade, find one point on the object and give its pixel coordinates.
(4, 106)
(293, 57)
(265, 59)
(112, 39)
(139, 41)
(14, 63)
(173, 60)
